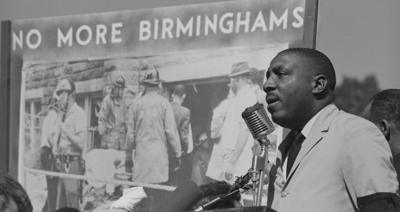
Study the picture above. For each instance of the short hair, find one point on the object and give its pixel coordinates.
(386, 105)
(318, 59)
(12, 190)
(179, 90)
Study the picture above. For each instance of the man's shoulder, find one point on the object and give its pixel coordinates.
(352, 122)
(356, 129)
(180, 108)
(107, 101)
(148, 101)
(78, 109)
(186, 110)
(107, 98)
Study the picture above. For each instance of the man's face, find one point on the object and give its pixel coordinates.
(289, 89)
(63, 98)
(117, 91)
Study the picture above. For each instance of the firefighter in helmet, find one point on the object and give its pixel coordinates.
(111, 124)
(151, 126)
(64, 131)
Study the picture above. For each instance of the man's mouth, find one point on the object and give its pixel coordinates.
(271, 99)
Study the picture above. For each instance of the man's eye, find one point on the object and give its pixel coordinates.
(280, 73)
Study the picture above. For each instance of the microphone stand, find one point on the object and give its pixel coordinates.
(258, 169)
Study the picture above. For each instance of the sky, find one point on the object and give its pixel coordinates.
(360, 36)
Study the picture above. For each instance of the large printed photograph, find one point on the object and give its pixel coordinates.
(108, 128)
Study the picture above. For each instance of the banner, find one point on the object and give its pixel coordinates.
(147, 98)
(160, 30)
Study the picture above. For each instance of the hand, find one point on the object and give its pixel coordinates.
(64, 129)
(215, 188)
(117, 162)
(230, 168)
(176, 164)
(46, 157)
(128, 166)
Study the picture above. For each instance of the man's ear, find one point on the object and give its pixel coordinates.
(384, 126)
(320, 84)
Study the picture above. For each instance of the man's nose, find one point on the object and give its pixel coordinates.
(269, 85)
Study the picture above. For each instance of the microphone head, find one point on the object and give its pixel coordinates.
(257, 121)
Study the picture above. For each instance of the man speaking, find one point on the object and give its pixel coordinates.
(330, 161)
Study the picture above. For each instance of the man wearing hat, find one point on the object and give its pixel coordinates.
(231, 156)
(64, 132)
(151, 125)
(112, 126)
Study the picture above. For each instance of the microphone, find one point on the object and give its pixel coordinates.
(260, 126)
(257, 121)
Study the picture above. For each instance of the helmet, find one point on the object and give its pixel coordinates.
(119, 81)
(151, 77)
(64, 85)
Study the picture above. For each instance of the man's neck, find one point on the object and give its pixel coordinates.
(395, 145)
(313, 112)
(177, 101)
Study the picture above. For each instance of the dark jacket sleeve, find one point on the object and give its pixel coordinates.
(379, 202)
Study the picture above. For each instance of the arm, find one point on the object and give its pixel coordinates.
(171, 131)
(379, 202)
(240, 144)
(184, 131)
(103, 113)
(131, 134)
(75, 139)
(218, 118)
(368, 172)
(76, 134)
(239, 104)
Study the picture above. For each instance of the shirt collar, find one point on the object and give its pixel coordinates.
(307, 128)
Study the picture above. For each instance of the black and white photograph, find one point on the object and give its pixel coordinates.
(245, 105)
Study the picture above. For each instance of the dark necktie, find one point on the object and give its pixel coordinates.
(294, 150)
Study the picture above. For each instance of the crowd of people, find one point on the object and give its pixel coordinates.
(329, 161)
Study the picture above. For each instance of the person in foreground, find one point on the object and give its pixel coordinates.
(384, 111)
(13, 197)
(330, 161)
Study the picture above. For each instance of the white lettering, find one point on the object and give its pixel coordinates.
(36, 33)
(144, 32)
(116, 31)
(167, 25)
(211, 24)
(187, 29)
(259, 23)
(78, 34)
(101, 31)
(155, 30)
(298, 17)
(17, 40)
(228, 23)
(63, 39)
(245, 22)
(274, 20)
(198, 25)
